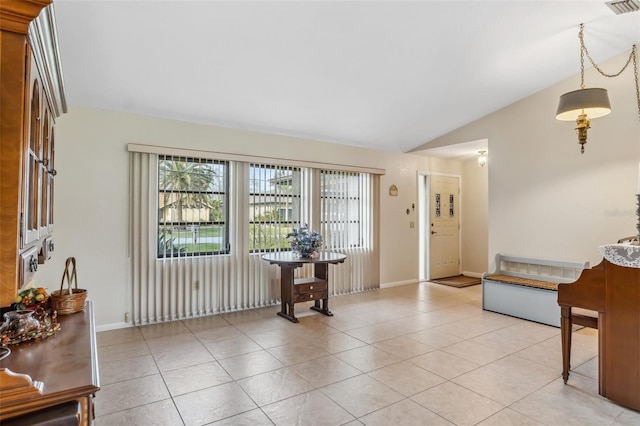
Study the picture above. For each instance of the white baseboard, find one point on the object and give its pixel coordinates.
(114, 326)
(472, 274)
(398, 283)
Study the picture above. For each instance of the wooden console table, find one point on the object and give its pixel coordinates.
(303, 289)
(63, 368)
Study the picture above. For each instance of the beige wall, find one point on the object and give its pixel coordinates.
(545, 198)
(542, 197)
(91, 204)
(474, 217)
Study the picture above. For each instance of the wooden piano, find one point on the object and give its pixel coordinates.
(614, 292)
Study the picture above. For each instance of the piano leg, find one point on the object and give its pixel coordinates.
(565, 332)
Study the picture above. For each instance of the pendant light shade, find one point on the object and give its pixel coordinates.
(592, 102)
(585, 104)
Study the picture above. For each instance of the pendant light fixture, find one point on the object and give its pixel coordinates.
(585, 104)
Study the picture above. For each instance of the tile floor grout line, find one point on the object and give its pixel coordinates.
(457, 312)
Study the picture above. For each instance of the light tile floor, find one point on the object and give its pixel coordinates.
(422, 354)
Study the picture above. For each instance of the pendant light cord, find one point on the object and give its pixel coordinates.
(632, 57)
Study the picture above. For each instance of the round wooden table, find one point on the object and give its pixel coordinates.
(314, 288)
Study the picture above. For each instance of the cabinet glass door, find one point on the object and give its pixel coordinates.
(32, 170)
(44, 176)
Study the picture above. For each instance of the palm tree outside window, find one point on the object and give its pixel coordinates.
(192, 207)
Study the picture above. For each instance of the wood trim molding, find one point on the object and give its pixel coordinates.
(16, 16)
(16, 387)
(13, 51)
(196, 153)
(44, 43)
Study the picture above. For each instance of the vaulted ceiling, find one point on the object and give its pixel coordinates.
(386, 75)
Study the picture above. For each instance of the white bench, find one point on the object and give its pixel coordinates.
(528, 288)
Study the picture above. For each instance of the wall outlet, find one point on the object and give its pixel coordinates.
(196, 285)
(127, 317)
(412, 225)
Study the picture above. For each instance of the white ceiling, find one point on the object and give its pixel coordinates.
(386, 75)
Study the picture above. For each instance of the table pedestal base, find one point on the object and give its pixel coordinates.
(289, 317)
(325, 307)
(288, 310)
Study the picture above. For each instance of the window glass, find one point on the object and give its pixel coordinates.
(340, 209)
(274, 206)
(192, 207)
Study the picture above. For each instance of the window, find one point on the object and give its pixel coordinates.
(213, 217)
(274, 206)
(341, 209)
(192, 207)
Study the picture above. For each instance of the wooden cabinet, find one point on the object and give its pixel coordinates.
(32, 97)
(37, 202)
(33, 151)
(60, 368)
(39, 171)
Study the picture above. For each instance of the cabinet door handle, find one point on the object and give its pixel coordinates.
(52, 172)
(310, 287)
(33, 264)
(50, 245)
(311, 296)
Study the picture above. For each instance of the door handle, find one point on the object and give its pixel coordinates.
(433, 232)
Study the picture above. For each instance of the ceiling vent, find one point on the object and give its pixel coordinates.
(624, 6)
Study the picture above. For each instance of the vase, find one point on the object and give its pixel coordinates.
(20, 322)
(306, 254)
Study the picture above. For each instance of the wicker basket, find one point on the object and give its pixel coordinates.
(70, 300)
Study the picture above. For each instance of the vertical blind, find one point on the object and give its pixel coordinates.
(274, 205)
(207, 258)
(347, 225)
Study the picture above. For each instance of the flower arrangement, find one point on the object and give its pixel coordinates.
(31, 298)
(304, 241)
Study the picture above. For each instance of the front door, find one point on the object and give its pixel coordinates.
(444, 241)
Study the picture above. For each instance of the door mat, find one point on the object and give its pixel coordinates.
(458, 281)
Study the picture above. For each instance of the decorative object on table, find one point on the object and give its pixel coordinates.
(31, 298)
(28, 324)
(305, 242)
(31, 318)
(584, 104)
(22, 322)
(627, 255)
(70, 300)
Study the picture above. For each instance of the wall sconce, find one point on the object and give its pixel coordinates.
(585, 104)
(482, 158)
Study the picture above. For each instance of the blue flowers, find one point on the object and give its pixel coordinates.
(305, 241)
